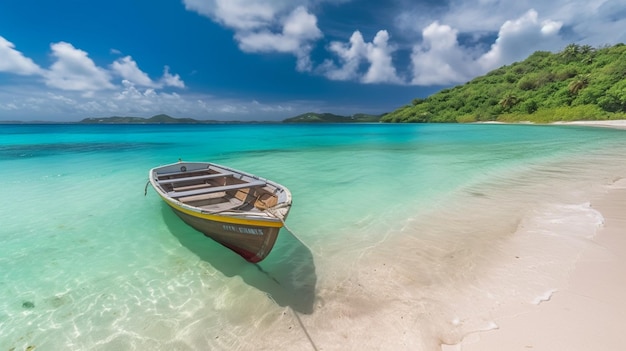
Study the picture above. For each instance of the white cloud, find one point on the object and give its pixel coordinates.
(301, 24)
(520, 37)
(299, 28)
(378, 54)
(237, 14)
(357, 53)
(13, 61)
(171, 80)
(74, 70)
(440, 59)
(127, 68)
(255, 23)
(350, 56)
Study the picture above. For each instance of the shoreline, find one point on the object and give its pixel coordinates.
(587, 311)
(618, 123)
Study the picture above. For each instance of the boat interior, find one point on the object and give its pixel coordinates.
(217, 190)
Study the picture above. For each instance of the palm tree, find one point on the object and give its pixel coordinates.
(570, 52)
(587, 49)
(578, 84)
(588, 52)
(509, 100)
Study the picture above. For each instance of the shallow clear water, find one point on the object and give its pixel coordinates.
(388, 218)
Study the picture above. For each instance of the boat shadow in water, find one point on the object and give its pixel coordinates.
(287, 275)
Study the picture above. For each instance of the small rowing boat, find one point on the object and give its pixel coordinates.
(238, 210)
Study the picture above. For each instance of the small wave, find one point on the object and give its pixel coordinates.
(546, 296)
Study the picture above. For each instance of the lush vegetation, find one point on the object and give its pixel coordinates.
(578, 83)
(312, 117)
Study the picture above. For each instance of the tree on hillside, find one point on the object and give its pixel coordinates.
(509, 100)
(578, 84)
(570, 52)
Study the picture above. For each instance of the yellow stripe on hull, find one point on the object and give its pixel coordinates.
(225, 219)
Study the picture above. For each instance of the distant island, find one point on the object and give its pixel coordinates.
(310, 117)
(157, 119)
(578, 83)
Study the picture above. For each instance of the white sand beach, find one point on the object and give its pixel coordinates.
(621, 124)
(587, 310)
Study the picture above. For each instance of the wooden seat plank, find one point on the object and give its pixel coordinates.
(194, 178)
(215, 189)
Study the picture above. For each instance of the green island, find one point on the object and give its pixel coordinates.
(313, 117)
(578, 83)
(157, 119)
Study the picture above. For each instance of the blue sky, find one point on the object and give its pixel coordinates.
(247, 60)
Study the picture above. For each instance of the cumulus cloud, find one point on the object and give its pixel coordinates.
(440, 59)
(171, 80)
(264, 26)
(238, 14)
(127, 68)
(520, 37)
(13, 61)
(350, 56)
(357, 53)
(74, 70)
(378, 54)
(299, 28)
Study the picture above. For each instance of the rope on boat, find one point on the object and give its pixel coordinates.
(280, 218)
(145, 190)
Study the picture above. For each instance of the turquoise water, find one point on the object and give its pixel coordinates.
(386, 216)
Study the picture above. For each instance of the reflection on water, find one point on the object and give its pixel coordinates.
(287, 275)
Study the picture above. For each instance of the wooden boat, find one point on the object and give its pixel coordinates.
(239, 210)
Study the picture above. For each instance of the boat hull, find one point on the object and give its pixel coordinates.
(236, 209)
(252, 242)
